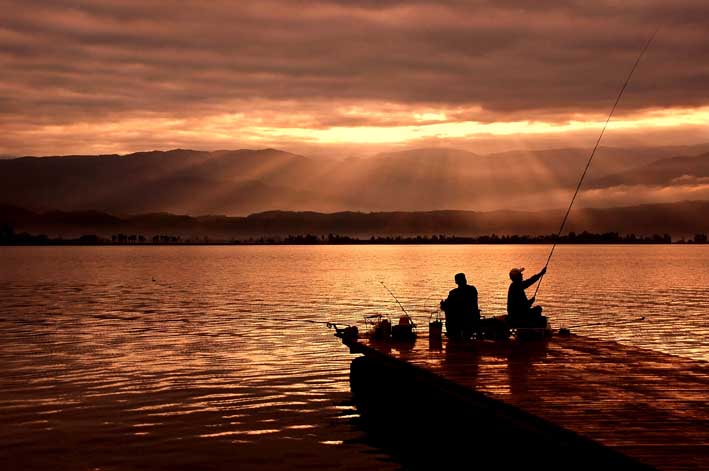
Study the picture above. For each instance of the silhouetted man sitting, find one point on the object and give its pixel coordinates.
(461, 308)
(519, 309)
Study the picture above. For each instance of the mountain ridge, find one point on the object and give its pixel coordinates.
(247, 181)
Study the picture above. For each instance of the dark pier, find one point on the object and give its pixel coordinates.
(563, 403)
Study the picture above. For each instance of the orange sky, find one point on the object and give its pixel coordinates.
(336, 77)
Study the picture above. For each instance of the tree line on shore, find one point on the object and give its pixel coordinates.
(9, 237)
(570, 238)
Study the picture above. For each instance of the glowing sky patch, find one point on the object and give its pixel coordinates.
(392, 134)
(222, 131)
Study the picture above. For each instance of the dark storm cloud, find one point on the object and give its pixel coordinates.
(69, 61)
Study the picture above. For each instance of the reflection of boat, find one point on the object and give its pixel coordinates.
(567, 402)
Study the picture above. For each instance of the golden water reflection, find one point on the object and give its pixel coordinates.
(212, 363)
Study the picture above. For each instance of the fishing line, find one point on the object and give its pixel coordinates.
(593, 152)
(308, 321)
(298, 320)
(607, 323)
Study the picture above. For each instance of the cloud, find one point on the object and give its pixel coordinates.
(691, 189)
(320, 65)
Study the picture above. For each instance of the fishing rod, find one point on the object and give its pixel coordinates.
(400, 305)
(329, 324)
(607, 323)
(593, 153)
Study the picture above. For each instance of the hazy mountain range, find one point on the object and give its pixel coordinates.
(677, 219)
(248, 181)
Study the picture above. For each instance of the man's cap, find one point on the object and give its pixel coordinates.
(516, 271)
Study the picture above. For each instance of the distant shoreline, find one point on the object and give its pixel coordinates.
(584, 238)
(677, 219)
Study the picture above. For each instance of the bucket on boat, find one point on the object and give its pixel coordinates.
(435, 325)
(435, 329)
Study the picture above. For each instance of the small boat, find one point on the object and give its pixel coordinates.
(379, 327)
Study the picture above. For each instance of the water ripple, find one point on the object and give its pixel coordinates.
(212, 365)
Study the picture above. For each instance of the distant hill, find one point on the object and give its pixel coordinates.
(242, 182)
(677, 219)
(178, 180)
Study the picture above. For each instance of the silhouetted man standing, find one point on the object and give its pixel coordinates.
(519, 308)
(461, 308)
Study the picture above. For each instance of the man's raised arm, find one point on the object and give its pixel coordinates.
(534, 278)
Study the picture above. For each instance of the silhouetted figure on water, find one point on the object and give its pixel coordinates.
(461, 308)
(519, 309)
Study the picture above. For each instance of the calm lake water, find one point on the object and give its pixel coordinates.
(197, 357)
